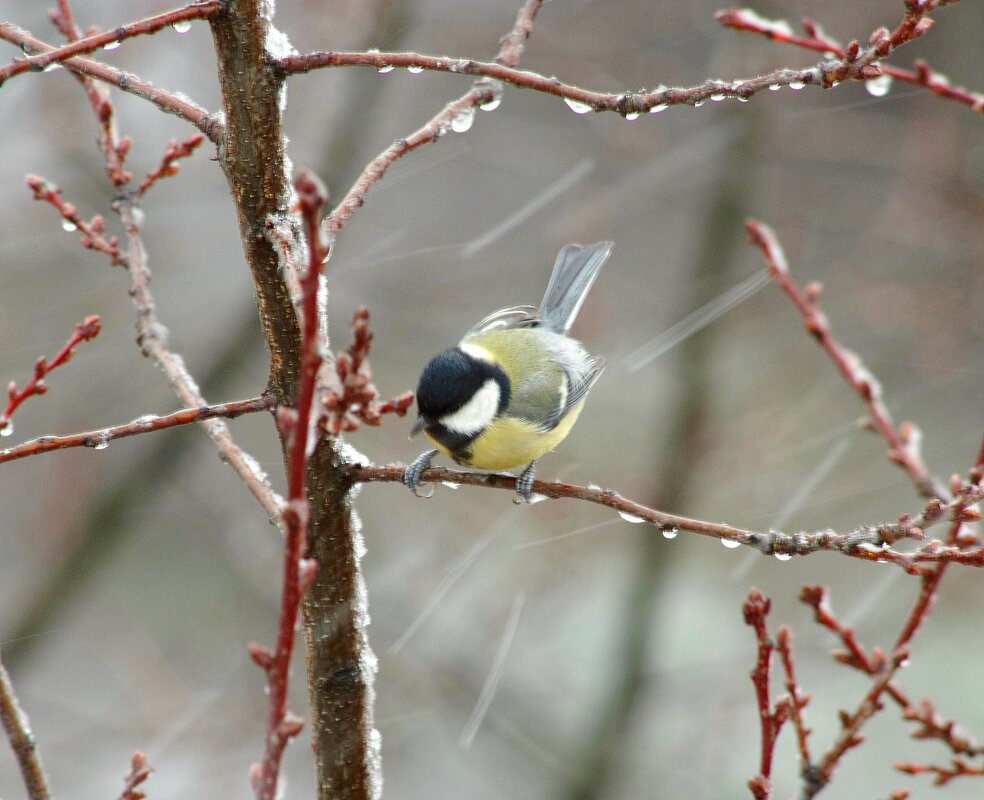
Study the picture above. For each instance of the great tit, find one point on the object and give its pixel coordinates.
(513, 387)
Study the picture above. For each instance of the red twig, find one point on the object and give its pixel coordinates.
(771, 718)
(18, 729)
(798, 699)
(866, 542)
(903, 443)
(352, 396)
(85, 331)
(958, 768)
(139, 772)
(101, 437)
(948, 731)
(81, 46)
(296, 428)
(168, 166)
(914, 24)
(92, 236)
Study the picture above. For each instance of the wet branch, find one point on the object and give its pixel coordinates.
(18, 729)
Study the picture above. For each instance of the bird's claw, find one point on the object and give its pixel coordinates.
(524, 485)
(411, 476)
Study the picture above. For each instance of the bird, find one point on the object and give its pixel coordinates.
(511, 390)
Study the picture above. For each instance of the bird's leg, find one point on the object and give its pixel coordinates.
(411, 477)
(524, 484)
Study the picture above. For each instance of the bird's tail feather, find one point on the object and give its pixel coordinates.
(574, 271)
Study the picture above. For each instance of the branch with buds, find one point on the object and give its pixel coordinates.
(85, 331)
(92, 231)
(856, 61)
(350, 395)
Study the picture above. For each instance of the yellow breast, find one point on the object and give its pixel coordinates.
(510, 442)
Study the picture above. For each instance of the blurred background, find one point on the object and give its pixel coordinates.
(132, 578)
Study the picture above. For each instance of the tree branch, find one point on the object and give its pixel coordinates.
(913, 25)
(903, 442)
(198, 10)
(101, 437)
(168, 102)
(18, 729)
(867, 542)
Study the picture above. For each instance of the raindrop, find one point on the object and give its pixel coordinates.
(880, 86)
(698, 104)
(630, 517)
(796, 85)
(68, 225)
(670, 533)
(102, 444)
(52, 67)
(774, 87)
(782, 556)
(415, 70)
(450, 484)
(576, 107)
(492, 103)
(111, 45)
(383, 70)
(594, 487)
(632, 115)
(463, 120)
(536, 498)
(717, 98)
(657, 108)
(741, 99)
(731, 544)
(183, 26)
(8, 428)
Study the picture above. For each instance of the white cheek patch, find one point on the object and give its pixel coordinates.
(475, 415)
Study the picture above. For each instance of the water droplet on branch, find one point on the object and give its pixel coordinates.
(880, 86)
(577, 107)
(68, 225)
(630, 517)
(111, 45)
(670, 533)
(182, 26)
(386, 68)
(8, 429)
(782, 556)
(415, 70)
(731, 544)
(463, 120)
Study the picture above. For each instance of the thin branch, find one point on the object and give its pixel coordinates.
(85, 331)
(296, 428)
(168, 102)
(175, 150)
(350, 396)
(199, 10)
(18, 730)
(458, 113)
(92, 237)
(948, 731)
(815, 39)
(868, 542)
(903, 442)
(771, 718)
(139, 772)
(958, 768)
(798, 699)
(101, 437)
(581, 101)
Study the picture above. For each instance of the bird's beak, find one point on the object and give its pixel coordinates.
(418, 426)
